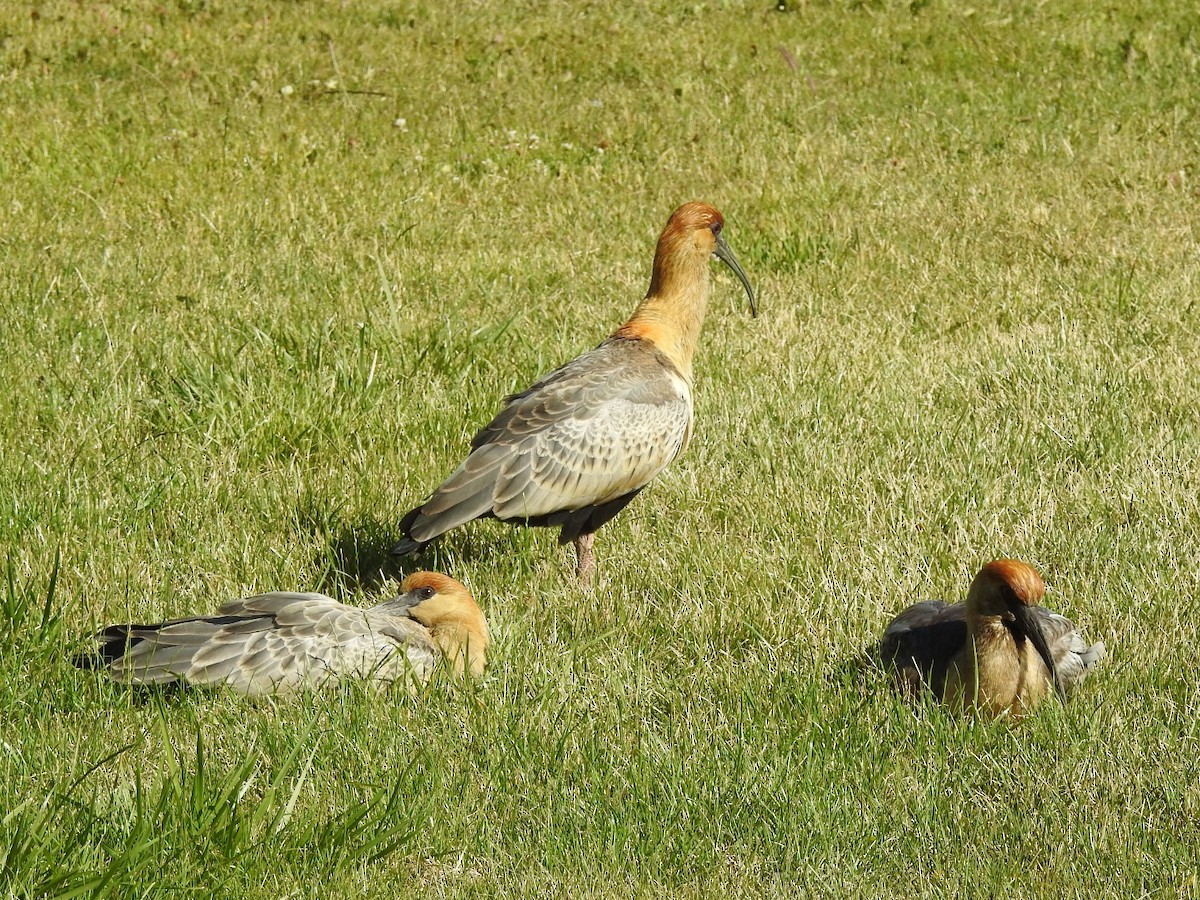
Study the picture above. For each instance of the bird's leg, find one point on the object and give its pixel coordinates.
(585, 557)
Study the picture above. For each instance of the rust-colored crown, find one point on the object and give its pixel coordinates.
(1020, 578)
(691, 216)
(443, 584)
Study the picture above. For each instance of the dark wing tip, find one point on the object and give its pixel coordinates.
(408, 544)
(88, 660)
(110, 645)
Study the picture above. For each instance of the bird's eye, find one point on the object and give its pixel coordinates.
(715, 228)
(425, 593)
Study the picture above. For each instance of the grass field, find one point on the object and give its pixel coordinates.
(268, 266)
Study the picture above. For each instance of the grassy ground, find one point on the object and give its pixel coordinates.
(268, 266)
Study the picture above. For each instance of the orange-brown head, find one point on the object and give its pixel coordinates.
(1003, 584)
(672, 313)
(692, 235)
(1008, 589)
(453, 618)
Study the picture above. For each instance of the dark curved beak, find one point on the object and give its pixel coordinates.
(1032, 627)
(725, 255)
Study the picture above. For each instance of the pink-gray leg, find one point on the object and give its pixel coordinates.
(585, 557)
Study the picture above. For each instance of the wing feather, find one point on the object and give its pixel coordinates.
(273, 642)
(598, 428)
(1072, 655)
(919, 644)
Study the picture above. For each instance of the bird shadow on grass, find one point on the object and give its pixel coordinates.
(357, 557)
(863, 673)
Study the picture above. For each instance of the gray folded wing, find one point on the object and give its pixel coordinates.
(1072, 655)
(273, 643)
(596, 430)
(919, 644)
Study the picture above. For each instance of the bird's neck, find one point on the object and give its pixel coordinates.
(1000, 680)
(464, 647)
(672, 314)
(994, 644)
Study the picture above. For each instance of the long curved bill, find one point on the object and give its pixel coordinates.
(1028, 621)
(725, 255)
